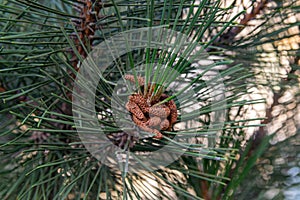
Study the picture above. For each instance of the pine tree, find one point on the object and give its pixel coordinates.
(134, 99)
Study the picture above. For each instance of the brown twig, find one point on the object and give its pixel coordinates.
(86, 27)
(234, 31)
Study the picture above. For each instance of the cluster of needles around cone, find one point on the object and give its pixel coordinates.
(147, 113)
